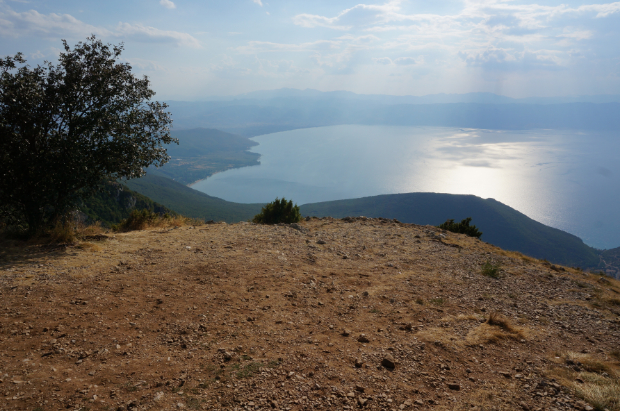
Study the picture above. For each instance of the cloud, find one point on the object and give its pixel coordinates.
(509, 60)
(383, 60)
(13, 24)
(266, 47)
(405, 61)
(167, 4)
(138, 32)
(33, 23)
(490, 34)
(349, 18)
(259, 2)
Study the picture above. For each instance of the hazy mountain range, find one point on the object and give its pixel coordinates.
(442, 98)
(265, 112)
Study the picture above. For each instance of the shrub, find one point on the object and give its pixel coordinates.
(278, 211)
(142, 219)
(462, 228)
(491, 270)
(139, 220)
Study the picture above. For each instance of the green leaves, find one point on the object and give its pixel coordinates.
(66, 128)
(278, 211)
(463, 227)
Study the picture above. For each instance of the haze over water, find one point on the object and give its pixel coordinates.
(565, 179)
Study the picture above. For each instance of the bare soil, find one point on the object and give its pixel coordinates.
(331, 314)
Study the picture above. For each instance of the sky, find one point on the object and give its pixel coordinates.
(193, 49)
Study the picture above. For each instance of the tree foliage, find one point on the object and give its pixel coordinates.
(278, 211)
(462, 228)
(66, 128)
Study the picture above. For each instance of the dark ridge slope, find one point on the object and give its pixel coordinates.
(501, 225)
(191, 203)
(114, 204)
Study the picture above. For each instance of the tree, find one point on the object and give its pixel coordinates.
(65, 129)
(463, 227)
(278, 211)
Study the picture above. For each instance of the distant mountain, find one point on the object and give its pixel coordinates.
(501, 225)
(288, 110)
(611, 262)
(441, 98)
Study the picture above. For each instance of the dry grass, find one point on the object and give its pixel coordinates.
(461, 317)
(140, 220)
(495, 329)
(63, 232)
(517, 256)
(89, 247)
(595, 380)
(90, 230)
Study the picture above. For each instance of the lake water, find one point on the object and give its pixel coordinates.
(565, 179)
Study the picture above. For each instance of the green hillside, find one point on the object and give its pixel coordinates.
(115, 203)
(191, 203)
(501, 225)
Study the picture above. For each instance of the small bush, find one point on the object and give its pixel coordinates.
(63, 232)
(278, 211)
(139, 220)
(491, 270)
(142, 219)
(462, 228)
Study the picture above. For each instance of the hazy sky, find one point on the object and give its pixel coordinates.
(196, 48)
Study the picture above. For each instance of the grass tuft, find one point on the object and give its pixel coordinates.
(142, 219)
(490, 270)
(495, 329)
(594, 380)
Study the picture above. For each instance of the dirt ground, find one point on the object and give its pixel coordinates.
(325, 315)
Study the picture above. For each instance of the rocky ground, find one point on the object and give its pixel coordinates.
(328, 314)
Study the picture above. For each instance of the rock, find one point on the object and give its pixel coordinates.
(321, 242)
(359, 388)
(454, 386)
(363, 339)
(603, 280)
(505, 374)
(524, 406)
(227, 356)
(358, 363)
(158, 396)
(362, 401)
(419, 402)
(346, 333)
(388, 362)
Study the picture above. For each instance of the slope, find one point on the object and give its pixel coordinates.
(189, 202)
(501, 225)
(114, 204)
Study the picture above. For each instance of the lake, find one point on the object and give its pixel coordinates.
(563, 178)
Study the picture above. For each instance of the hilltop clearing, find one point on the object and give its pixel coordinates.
(500, 224)
(328, 314)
